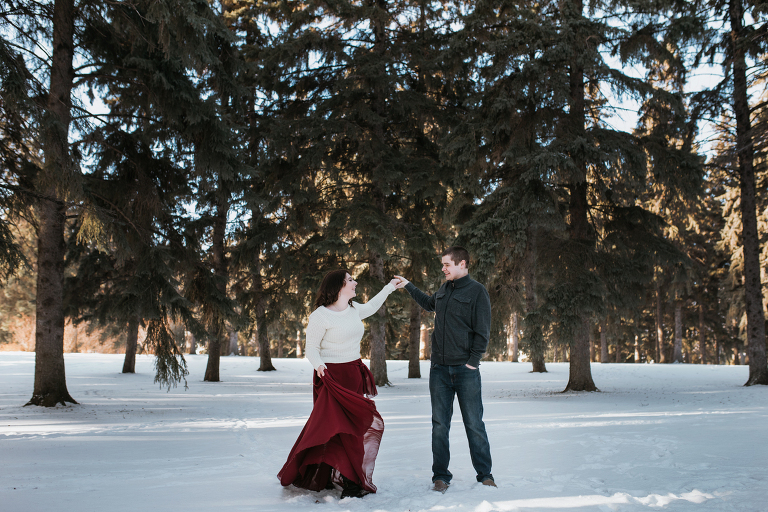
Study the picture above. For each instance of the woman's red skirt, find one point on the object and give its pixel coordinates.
(342, 434)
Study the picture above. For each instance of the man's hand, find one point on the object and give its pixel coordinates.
(470, 367)
(321, 371)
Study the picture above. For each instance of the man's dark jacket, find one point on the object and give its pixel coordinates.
(462, 320)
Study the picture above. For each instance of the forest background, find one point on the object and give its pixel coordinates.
(178, 175)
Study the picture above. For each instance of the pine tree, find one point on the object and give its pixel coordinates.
(422, 231)
(270, 252)
(142, 50)
(738, 46)
(740, 37)
(537, 116)
(53, 185)
(360, 129)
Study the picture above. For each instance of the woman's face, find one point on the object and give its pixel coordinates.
(348, 288)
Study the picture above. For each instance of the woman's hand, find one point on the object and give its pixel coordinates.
(321, 371)
(399, 282)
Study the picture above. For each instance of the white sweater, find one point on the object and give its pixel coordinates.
(334, 336)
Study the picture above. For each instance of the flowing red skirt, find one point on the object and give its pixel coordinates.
(342, 434)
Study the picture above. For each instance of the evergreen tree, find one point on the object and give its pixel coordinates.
(54, 184)
(270, 252)
(745, 40)
(361, 129)
(537, 116)
(739, 46)
(219, 165)
(145, 49)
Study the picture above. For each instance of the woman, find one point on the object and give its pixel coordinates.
(339, 443)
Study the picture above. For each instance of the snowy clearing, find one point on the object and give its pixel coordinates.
(658, 437)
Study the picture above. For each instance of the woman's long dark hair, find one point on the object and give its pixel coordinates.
(329, 290)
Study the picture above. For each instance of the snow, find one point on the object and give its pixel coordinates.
(658, 437)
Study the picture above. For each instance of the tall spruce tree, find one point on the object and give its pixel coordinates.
(179, 132)
(55, 182)
(744, 40)
(361, 129)
(146, 38)
(422, 230)
(737, 41)
(538, 114)
(219, 166)
(277, 195)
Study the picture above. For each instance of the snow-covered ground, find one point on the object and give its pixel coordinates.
(672, 437)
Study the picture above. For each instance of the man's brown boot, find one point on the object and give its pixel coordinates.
(440, 486)
(489, 482)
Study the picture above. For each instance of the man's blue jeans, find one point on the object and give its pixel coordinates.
(445, 382)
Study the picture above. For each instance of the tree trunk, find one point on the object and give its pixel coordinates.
(218, 337)
(129, 365)
(556, 354)
(592, 344)
(637, 348)
(702, 336)
(232, 351)
(260, 311)
(618, 349)
(603, 343)
(513, 349)
(677, 357)
(378, 328)
(758, 365)
(718, 349)
(414, 331)
(534, 337)
(192, 344)
(660, 356)
(265, 356)
(580, 372)
(50, 385)
(426, 343)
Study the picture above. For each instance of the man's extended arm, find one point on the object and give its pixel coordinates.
(422, 299)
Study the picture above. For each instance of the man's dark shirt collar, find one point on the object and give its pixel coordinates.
(460, 282)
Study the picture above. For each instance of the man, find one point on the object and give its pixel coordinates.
(462, 326)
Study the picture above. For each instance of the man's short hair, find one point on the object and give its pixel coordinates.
(457, 253)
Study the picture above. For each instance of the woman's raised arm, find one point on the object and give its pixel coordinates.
(373, 305)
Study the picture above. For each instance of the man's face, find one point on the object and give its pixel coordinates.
(453, 271)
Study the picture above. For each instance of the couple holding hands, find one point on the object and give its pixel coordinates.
(338, 446)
